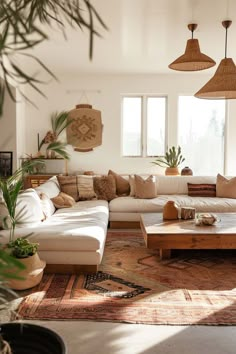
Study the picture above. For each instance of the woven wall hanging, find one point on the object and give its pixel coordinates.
(85, 131)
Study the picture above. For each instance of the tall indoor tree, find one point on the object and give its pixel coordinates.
(24, 25)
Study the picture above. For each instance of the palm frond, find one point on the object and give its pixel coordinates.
(59, 148)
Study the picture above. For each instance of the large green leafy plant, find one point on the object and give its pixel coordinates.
(24, 25)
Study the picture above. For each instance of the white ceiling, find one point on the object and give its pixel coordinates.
(144, 36)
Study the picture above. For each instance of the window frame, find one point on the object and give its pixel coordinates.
(144, 123)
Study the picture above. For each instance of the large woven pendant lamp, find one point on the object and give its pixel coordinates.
(223, 84)
(192, 59)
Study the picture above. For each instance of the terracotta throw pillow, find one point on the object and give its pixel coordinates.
(85, 187)
(145, 189)
(105, 187)
(201, 189)
(63, 200)
(68, 185)
(122, 184)
(225, 188)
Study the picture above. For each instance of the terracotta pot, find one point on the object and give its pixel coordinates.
(170, 211)
(32, 273)
(172, 171)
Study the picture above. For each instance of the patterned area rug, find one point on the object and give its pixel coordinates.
(134, 286)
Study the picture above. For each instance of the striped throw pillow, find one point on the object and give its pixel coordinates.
(201, 189)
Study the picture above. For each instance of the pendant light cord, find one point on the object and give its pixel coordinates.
(226, 38)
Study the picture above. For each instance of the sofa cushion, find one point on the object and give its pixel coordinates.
(85, 187)
(105, 187)
(225, 188)
(28, 208)
(68, 185)
(145, 188)
(132, 186)
(51, 187)
(47, 205)
(80, 228)
(63, 200)
(122, 184)
(202, 189)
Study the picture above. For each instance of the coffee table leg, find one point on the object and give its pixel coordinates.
(165, 254)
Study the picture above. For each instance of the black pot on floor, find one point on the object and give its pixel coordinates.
(27, 338)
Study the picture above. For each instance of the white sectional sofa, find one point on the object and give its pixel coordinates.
(125, 211)
(71, 239)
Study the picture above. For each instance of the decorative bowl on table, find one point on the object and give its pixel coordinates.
(206, 219)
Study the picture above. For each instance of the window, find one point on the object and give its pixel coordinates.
(201, 125)
(143, 125)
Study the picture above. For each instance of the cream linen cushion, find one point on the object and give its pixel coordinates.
(85, 187)
(225, 188)
(50, 187)
(47, 205)
(145, 188)
(63, 200)
(28, 208)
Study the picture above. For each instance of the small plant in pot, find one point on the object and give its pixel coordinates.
(171, 160)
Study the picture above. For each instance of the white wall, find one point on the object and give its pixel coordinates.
(104, 93)
(8, 127)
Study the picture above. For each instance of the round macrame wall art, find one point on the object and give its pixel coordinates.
(85, 131)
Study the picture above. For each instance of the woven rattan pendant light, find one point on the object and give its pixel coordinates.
(223, 84)
(192, 59)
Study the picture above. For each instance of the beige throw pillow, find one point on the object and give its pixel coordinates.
(145, 189)
(105, 187)
(122, 184)
(85, 187)
(225, 188)
(68, 185)
(132, 186)
(63, 200)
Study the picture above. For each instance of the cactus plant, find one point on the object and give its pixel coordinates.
(172, 158)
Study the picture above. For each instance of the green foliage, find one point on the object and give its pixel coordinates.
(172, 158)
(9, 266)
(59, 122)
(24, 24)
(22, 247)
(10, 189)
(59, 148)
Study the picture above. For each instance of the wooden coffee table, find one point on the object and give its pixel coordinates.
(184, 234)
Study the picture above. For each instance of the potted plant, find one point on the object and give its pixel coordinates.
(20, 248)
(171, 160)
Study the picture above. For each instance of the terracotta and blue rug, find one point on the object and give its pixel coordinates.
(134, 286)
